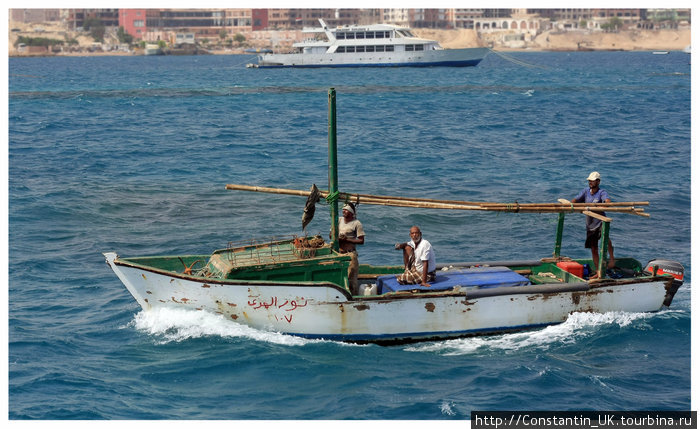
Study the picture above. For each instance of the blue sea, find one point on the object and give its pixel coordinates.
(132, 154)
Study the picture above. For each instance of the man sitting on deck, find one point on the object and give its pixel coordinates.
(418, 260)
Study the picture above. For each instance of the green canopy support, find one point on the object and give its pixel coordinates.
(560, 233)
(605, 239)
(333, 168)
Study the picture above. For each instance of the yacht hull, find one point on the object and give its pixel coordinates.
(468, 57)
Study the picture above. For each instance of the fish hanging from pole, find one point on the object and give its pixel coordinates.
(310, 207)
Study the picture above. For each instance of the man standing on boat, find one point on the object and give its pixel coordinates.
(594, 194)
(350, 234)
(418, 260)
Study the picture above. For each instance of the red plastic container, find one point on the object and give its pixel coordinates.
(571, 266)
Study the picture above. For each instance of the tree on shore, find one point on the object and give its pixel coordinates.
(37, 41)
(124, 37)
(96, 29)
(614, 24)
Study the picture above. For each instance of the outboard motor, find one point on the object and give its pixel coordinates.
(675, 269)
(664, 266)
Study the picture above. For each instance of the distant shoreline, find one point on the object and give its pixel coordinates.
(548, 41)
(131, 54)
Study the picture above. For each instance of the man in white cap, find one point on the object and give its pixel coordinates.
(350, 234)
(594, 194)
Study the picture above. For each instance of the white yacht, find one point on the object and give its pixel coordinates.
(378, 45)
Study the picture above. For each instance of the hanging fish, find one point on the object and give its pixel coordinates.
(310, 207)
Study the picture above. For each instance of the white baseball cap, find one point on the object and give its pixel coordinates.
(594, 176)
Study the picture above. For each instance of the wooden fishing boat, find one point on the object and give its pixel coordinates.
(299, 285)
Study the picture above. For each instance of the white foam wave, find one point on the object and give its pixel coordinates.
(174, 325)
(446, 409)
(574, 328)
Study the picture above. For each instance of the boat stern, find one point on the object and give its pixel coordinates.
(671, 269)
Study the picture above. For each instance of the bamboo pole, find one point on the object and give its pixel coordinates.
(620, 207)
(611, 204)
(470, 205)
(597, 216)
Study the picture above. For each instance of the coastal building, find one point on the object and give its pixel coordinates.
(259, 19)
(655, 19)
(163, 24)
(108, 17)
(519, 21)
(395, 16)
(33, 16)
(299, 18)
(428, 18)
(625, 15)
(466, 18)
(133, 21)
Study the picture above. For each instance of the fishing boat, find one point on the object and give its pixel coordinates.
(299, 285)
(378, 45)
(152, 49)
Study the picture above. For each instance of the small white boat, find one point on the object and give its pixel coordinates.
(660, 52)
(152, 49)
(378, 45)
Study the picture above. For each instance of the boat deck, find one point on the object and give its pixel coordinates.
(485, 277)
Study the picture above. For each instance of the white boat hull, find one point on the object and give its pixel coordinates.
(444, 57)
(324, 310)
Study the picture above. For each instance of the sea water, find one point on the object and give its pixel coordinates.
(131, 154)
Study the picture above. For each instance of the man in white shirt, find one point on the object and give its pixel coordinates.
(418, 260)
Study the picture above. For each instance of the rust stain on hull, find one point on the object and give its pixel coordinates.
(362, 307)
(576, 298)
(430, 307)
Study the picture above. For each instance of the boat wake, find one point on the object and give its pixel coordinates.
(175, 325)
(577, 327)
